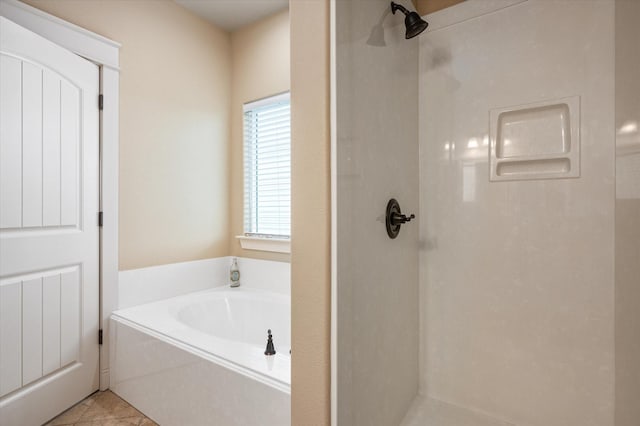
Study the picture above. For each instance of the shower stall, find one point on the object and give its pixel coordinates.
(511, 130)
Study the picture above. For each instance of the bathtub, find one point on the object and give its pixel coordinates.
(198, 359)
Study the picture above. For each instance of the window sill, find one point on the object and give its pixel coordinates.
(278, 245)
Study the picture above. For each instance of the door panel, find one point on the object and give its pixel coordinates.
(10, 135)
(32, 145)
(31, 330)
(50, 323)
(49, 295)
(51, 150)
(10, 337)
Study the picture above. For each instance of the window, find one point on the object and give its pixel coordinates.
(267, 167)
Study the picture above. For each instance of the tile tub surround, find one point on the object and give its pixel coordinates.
(166, 362)
(178, 385)
(199, 358)
(179, 388)
(102, 409)
(138, 286)
(224, 325)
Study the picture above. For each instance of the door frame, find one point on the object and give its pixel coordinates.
(105, 53)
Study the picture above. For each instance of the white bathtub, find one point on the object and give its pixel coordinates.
(199, 359)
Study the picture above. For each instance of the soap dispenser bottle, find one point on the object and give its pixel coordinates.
(234, 273)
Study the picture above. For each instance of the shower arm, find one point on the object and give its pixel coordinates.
(401, 8)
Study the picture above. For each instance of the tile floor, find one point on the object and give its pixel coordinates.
(102, 409)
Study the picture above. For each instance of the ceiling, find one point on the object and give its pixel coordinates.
(233, 14)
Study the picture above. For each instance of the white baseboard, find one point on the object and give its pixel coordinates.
(104, 379)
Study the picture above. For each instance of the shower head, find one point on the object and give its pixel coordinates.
(412, 21)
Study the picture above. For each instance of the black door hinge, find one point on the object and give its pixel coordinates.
(100, 102)
(100, 219)
(99, 337)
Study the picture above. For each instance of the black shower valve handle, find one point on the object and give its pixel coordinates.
(394, 218)
(397, 218)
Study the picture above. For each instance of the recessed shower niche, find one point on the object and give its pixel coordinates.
(536, 141)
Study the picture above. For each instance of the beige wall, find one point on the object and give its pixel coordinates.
(174, 105)
(260, 68)
(310, 259)
(424, 7)
(174, 126)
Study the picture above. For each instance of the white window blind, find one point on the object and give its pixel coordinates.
(267, 167)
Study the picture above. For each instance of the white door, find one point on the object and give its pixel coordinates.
(48, 227)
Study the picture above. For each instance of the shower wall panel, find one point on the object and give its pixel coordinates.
(627, 213)
(517, 277)
(377, 159)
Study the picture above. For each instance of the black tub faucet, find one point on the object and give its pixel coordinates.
(271, 350)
